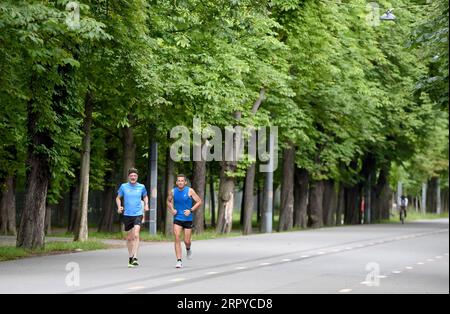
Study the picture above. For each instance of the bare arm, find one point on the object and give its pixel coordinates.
(146, 203)
(119, 204)
(198, 201)
(170, 203)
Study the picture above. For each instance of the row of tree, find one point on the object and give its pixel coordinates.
(360, 105)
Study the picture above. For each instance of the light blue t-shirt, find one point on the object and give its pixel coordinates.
(132, 195)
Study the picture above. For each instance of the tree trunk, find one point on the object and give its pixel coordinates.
(226, 197)
(129, 151)
(74, 205)
(329, 203)
(315, 204)
(8, 207)
(213, 199)
(241, 211)
(108, 204)
(48, 220)
(445, 200)
(199, 186)
(227, 186)
(382, 198)
(60, 211)
(432, 195)
(352, 205)
(287, 190)
(260, 203)
(423, 203)
(249, 199)
(107, 219)
(340, 205)
(438, 197)
(81, 230)
(301, 198)
(170, 179)
(31, 230)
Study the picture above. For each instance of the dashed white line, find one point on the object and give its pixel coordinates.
(136, 288)
(178, 279)
(265, 264)
(345, 290)
(241, 267)
(409, 267)
(430, 260)
(286, 260)
(420, 263)
(304, 256)
(397, 272)
(212, 273)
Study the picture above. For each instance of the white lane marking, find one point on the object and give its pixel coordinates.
(397, 272)
(212, 273)
(321, 253)
(286, 260)
(304, 256)
(409, 267)
(420, 263)
(241, 267)
(382, 277)
(345, 290)
(336, 250)
(438, 257)
(349, 248)
(178, 279)
(366, 283)
(136, 288)
(265, 264)
(430, 260)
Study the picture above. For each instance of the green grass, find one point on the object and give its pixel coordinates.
(414, 216)
(11, 253)
(145, 236)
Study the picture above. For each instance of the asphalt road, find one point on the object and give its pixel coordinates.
(371, 259)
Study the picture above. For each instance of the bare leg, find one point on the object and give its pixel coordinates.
(136, 229)
(130, 242)
(177, 233)
(187, 238)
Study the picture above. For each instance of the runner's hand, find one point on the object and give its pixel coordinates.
(187, 212)
(174, 212)
(120, 210)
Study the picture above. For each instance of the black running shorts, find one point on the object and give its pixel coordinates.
(184, 224)
(131, 221)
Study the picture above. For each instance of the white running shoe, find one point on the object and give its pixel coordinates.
(179, 264)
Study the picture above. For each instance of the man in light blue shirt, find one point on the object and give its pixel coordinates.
(133, 193)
